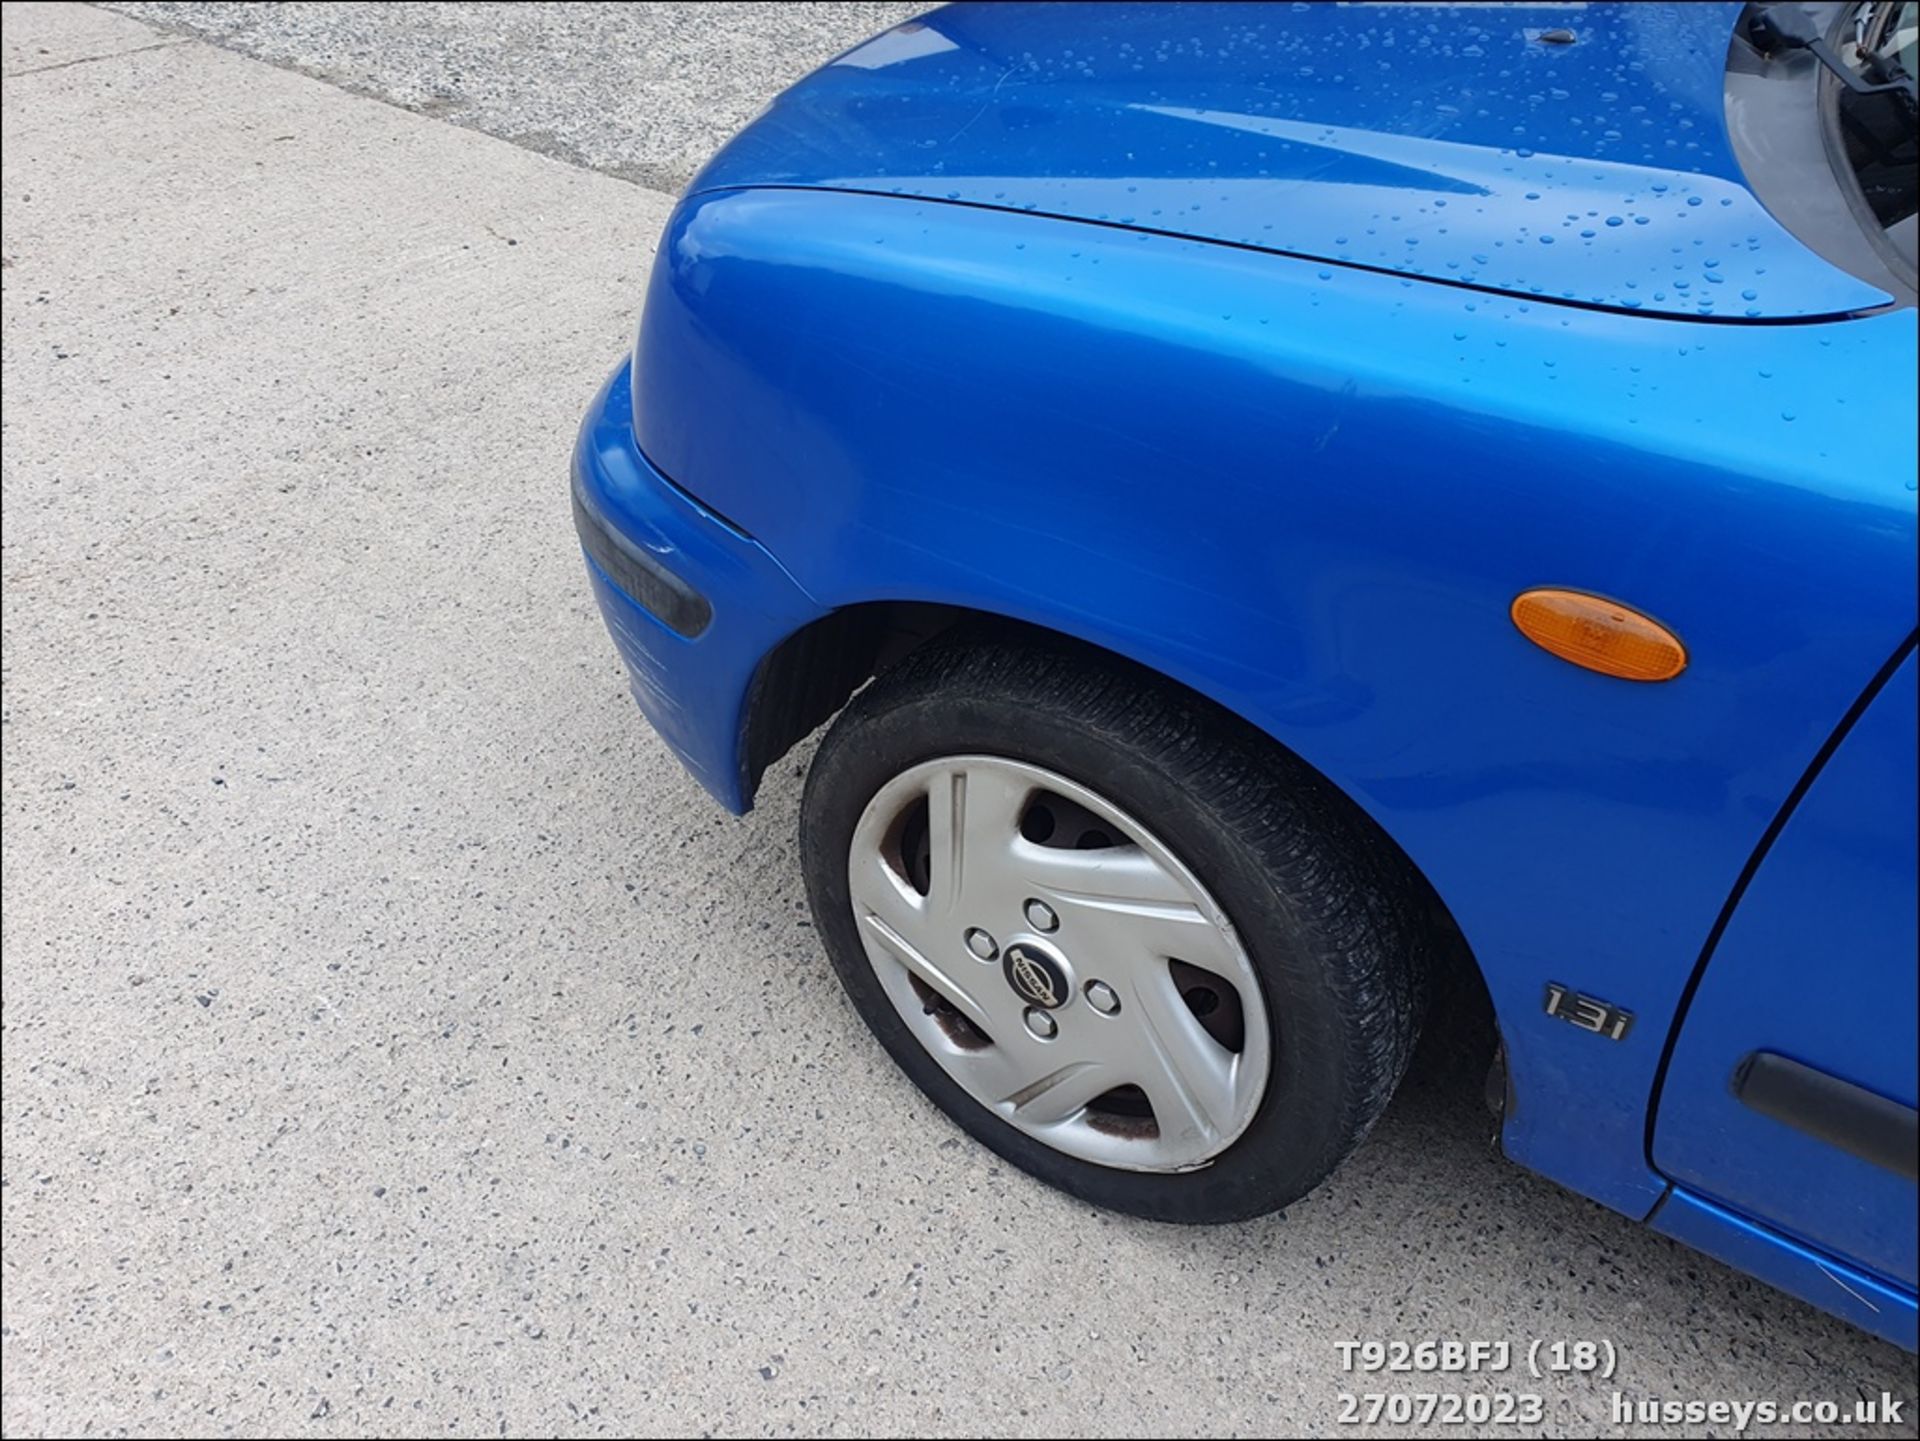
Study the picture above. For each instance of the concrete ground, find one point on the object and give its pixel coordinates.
(394, 1039)
(642, 91)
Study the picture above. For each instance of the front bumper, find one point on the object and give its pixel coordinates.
(692, 603)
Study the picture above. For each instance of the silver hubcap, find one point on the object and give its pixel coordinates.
(1060, 963)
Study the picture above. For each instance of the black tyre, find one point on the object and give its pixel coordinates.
(1120, 937)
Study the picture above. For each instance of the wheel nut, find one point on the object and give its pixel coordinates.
(981, 944)
(1041, 917)
(1103, 998)
(1042, 1023)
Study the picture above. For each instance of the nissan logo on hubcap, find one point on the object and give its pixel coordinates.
(1036, 977)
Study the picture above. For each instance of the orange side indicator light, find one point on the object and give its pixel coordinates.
(1599, 634)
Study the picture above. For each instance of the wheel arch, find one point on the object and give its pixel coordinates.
(806, 679)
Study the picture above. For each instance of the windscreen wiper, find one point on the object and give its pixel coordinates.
(1774, 28)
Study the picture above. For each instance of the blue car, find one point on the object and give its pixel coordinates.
(1299, 512)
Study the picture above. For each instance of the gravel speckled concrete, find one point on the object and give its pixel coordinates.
(394, 1039)
(641, 91)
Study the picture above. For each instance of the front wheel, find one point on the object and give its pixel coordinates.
(1129, 944)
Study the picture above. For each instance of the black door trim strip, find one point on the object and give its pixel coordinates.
(1860, 1122)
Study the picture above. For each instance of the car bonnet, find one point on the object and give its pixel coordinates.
(1573, 152)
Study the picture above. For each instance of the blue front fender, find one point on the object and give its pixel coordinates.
(1311, 494)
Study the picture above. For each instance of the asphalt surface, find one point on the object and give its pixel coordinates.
(645, 92)
(394, 1038)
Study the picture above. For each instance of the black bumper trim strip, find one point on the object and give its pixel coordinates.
(647, 582)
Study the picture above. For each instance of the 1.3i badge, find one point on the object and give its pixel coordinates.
(1589, 1013)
